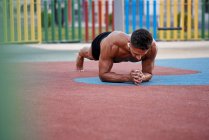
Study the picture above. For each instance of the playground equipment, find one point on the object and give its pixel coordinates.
(36, 21)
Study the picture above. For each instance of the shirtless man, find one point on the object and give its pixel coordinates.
(115, 47)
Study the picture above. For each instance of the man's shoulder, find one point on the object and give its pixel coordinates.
(117, 38)
(120, 33)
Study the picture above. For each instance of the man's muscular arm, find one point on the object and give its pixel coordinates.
(83, 53)
(148, 64)
(147, 68)
(106, 76)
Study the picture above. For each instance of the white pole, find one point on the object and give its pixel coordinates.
(119, 15)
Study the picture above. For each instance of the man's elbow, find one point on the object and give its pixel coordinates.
(147, 77)
(103, 78)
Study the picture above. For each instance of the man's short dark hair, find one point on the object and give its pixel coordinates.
(141, 39)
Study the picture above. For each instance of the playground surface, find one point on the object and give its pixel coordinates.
(65, 104)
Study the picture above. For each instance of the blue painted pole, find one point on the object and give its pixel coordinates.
(127, 15)
(134, 14)
(141, 13)
(155, 20)
(142, 6)
(147, 16)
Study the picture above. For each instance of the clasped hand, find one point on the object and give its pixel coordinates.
(136, 76)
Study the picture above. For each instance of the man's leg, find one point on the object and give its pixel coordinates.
(85, 52)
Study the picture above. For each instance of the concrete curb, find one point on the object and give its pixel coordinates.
(164, 45)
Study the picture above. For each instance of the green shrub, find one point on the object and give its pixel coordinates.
(49, 19)
(110, 19)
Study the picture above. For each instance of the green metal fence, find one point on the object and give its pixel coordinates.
(64, 20)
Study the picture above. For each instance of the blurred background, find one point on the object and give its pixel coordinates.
(39, 22)
(48, 21)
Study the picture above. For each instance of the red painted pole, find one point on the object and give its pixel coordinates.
(86, 21)
(106, 15)
(113, 24)
(93, 19)
(100, 16)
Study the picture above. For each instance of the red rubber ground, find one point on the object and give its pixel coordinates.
(61, 109)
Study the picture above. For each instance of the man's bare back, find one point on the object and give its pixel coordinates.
(115, 48)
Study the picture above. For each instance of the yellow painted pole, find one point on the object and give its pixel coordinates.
(175, 10)
(25, 21)
(161, 17)
(189, 19)
(196, 19)
(182, 19)
(39, 20)
(11, 21)
(19, 34)
(168, 22)
(32, 20)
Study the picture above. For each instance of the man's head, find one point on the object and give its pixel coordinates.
(141, 39)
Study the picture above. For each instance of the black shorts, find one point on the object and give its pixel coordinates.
(96, 44)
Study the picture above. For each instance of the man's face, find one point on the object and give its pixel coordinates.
(137, 53)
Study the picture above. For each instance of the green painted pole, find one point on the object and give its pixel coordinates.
(79, 20)
(1, 25)
(53, 24)
(73, 20)
(45, 21)
(66, 20)
(208, 20)
(5, 39)
(203, 19)
(59, 20)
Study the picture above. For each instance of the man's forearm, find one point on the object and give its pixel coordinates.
(79, 62)
(113, 77)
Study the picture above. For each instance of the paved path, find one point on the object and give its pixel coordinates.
(177, 49)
